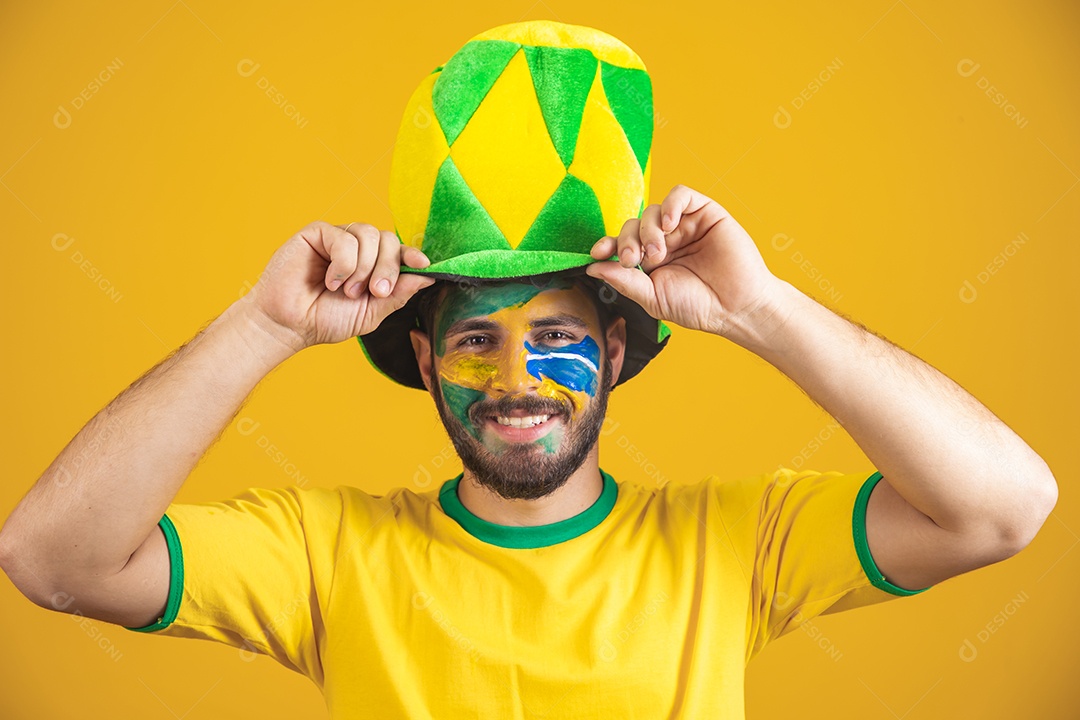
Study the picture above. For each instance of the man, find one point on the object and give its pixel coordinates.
(532, 583)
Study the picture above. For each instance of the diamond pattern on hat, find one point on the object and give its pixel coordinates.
(465, 80)
(630, 94)
(571, 221)
(418, 155)
(562, 78)
(606, 161)
(505, 154)
(458, 224)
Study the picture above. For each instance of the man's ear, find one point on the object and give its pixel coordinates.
(616, 346)
(422, 347)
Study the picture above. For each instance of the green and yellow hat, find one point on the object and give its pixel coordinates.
(512, 159)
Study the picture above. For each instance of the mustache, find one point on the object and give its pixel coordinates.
(530, 404)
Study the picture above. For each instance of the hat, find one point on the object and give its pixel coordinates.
(512, 159)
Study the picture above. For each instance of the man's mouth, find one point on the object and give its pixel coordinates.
(518, 427)
(521, 422)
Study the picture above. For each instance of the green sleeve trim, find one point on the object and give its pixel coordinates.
(858, 526)
(176, 577)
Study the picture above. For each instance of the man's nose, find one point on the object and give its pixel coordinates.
(513, 374)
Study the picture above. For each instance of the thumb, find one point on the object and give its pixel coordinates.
(630, 282)
(407, 285)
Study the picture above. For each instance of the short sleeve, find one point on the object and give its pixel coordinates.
(811, 555)
(241, 573)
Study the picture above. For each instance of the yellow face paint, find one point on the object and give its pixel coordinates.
(550, 388)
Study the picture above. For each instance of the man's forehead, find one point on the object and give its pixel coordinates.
(458, 302)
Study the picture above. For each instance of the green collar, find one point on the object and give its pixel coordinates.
(536, 536)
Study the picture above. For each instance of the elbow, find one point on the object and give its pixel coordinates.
(8, 552)
(18, 564)
(1031, 511)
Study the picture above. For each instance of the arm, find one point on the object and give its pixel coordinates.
(960, 489)
(85, 537)
(87, 528)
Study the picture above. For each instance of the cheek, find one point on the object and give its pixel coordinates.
(551, 389)
(571, 369)
(467, 371)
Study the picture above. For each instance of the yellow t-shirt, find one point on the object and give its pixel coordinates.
(649, 603)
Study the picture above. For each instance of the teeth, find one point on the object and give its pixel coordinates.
(522, 422)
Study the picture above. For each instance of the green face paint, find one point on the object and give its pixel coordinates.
(551, 441)
(459, 399)
(465, 304)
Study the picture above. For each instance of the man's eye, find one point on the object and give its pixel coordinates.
(475, 340)
(557, 335)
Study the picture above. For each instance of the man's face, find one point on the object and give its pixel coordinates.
(520, 375)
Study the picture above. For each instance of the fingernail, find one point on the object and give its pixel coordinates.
(354, 289)
(383, 286)
(653, 250)
(334, 285)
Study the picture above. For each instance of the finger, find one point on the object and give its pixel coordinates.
(604, 248)
(385, 273)
(320, 236)
(630, 282)
(331, 243)
(407, 285)
(414, 257)
(680, 201)
(652, 237)
(368, 238)
(629, 244)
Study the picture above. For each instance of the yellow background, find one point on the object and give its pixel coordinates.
(896, 182)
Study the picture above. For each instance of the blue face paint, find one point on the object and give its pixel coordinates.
(575, 367)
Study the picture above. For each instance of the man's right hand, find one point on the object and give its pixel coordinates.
(85, 538)
(326, 285)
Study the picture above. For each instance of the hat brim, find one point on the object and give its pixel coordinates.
(389, 347)
(504, 264)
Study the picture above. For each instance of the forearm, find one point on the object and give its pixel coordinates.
(102, 496)
(939, 447)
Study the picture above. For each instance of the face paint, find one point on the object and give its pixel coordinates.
(505, 364)
(572, 366)
(469, 373)
(470, 303)
(459, 399)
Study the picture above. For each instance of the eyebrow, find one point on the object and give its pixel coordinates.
(474, 324)
(470, 325)
(559, 321)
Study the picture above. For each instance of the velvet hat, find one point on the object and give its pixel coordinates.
(512, 159)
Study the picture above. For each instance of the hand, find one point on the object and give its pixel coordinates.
(326, 285)
(701, 269)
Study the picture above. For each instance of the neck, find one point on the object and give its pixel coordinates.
(577, 494)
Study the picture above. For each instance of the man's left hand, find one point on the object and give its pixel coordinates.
(701, 268)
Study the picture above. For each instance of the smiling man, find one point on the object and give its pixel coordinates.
(526, 279)
(520, 374)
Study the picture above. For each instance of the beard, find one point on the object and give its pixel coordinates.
(523, 471)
